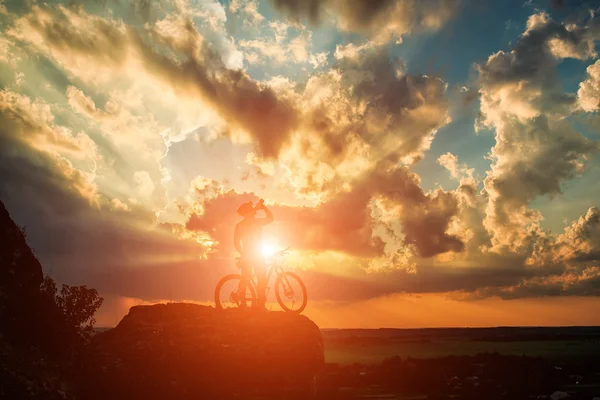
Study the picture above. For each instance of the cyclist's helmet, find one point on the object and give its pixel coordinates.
(246, 209)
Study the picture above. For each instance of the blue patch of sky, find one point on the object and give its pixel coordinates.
(219, 160)
(325, 38)
(479, 30)
(577, 196)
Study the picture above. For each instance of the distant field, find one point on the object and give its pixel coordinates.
(374, 353)
(371, 347)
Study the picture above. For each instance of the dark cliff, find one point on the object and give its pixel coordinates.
(185, 351)
(34, 337)
(20, 268)
(28, 317)
(20, 279)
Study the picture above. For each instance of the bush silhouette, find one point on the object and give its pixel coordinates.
(77, 303)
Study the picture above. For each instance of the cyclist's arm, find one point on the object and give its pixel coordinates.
(269, 218)
(236, 239)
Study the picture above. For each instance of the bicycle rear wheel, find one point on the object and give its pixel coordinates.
(291, 292)
(233, 292)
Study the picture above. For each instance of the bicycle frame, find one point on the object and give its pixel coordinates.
(272, 266)
(247, 286)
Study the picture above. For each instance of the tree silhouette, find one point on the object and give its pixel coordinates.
(77, 303)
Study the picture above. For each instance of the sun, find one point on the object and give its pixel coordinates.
(268, 248)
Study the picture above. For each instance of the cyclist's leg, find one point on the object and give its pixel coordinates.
(261, 273)
(246, 272)
(246, 269)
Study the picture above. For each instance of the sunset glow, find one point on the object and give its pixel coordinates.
(429, 162)
(269, 248)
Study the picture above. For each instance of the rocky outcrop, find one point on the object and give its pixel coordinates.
(188, 351)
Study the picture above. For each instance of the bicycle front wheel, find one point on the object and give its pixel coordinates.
(233, 292)
(291, 292)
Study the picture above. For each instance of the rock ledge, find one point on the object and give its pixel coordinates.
(181, 351)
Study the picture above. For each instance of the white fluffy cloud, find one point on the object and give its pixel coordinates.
(589, 89)
(536, 147)
(581, 239)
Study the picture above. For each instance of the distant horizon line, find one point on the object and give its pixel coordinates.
(471, 327)
(443, 327)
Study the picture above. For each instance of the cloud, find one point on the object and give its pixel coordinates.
(424, 217)
(100, 244)
(104, 162)
(351, 50)
(382, 21)
(8, 52)
(233, 94)
(144, 183)
(345, 222)
(281, 48)
(407, 109)
(342, 224)
(129, 140)
(74, 228)
(28, 128)
(249, 8)
(457, 171)
(80, 102)
(536, 147)
(357, 113)
(589, 90)
(468, 224)
(573, 282)
(581, 240)
(42, 133)
(318, 60)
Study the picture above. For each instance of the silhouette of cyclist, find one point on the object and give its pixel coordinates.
(247, 240)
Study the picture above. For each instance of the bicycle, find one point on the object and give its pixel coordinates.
(233, 292)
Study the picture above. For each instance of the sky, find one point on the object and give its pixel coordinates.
(429, 163)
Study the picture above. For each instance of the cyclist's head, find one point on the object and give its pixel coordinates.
(246, 210)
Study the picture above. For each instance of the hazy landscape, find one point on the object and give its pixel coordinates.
(474, 363)
(459, 363)
(214, 199)
(50, 350)
(371, 346)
